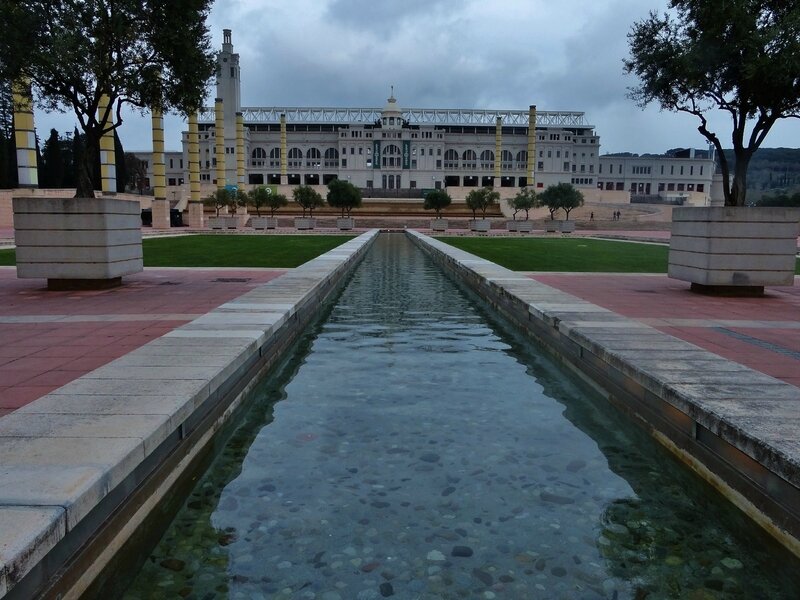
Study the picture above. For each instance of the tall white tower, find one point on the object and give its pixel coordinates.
(229, 89)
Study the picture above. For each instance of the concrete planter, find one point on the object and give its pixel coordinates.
(480, 225)
(733, 250)
(77, 242)
(264, 222)
(512, 225)
(567, 226)
(551, 226)
(439, 225)
(305, 223)
(524, 226)
(227, 222)
(346, 223)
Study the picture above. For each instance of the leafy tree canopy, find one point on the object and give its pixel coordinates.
(343, 195)
(308, 198)
(263, 197)
(144, 54)
(437, 200)
(226, 198)
(481, 199)
(739, 56)
(561, 196)
(526, 199)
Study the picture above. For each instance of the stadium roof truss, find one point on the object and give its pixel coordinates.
(415, 116)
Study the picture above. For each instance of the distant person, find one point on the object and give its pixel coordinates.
(591, 216)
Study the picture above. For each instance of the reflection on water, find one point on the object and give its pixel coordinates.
(416, 448)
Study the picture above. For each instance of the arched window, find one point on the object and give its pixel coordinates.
(522, 159)
(313, 158)
(331, 157)
(506, 160)
(295, 157)
(469, 159)
(275, 157)
(487, 159)
(451, 159)
(258, 157)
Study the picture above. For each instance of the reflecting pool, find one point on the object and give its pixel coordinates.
(416, 447)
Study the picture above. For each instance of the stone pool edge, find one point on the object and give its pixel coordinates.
(735, 427)
(74, 460)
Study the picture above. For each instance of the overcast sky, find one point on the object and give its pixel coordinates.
(503, 54)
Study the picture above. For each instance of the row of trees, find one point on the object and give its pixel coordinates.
(563, 196)
(341, 194)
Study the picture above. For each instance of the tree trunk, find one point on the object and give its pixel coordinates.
(739, 185)
(84, 187)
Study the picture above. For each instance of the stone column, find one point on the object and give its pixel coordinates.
(240, 158)
(108, 161)
(531, 174)
(195, 202)
(284, 158)
(219, 132)
(160, 203)
(498, 150)
(25, 136)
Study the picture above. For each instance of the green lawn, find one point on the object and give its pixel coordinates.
(568, 254)
(280, 251)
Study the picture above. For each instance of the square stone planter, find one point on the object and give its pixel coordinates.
(733, 250)
(439, 225)
(512, 225)
(264, 222)
(77, 243)
(551, 226)
(225, 222)
(345, 223)
(305, 223)
(524, 226)
(480, 225)
(567, 226)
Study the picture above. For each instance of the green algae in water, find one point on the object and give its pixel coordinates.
(416, 447)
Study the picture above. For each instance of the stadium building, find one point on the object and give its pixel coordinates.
(396, 151)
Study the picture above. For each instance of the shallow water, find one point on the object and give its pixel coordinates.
(415, 447)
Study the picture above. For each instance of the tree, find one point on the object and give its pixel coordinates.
(218, 199)
(344, 195)
(526, 199)
(149, 55)
(481, 199)
(136, 170)
(437, 200)
(262, 196)
(121, 167)
(236, 198)
(52, 172)
(308, 198)
(561, 196)
(739, 56)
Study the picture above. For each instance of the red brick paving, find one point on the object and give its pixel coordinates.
(647, 297)
(39, 356)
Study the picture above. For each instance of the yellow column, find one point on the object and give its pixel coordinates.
(498, 150)
(531, 174)
(240, 158)
(108, 162)
(284, 158)
(195, 202)
(160, 205)
(219, 132)
(25, 136)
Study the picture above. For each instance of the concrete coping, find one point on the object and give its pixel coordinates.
(753, 412)
(63, 453)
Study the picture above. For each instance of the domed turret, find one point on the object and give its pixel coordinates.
(391, 115)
